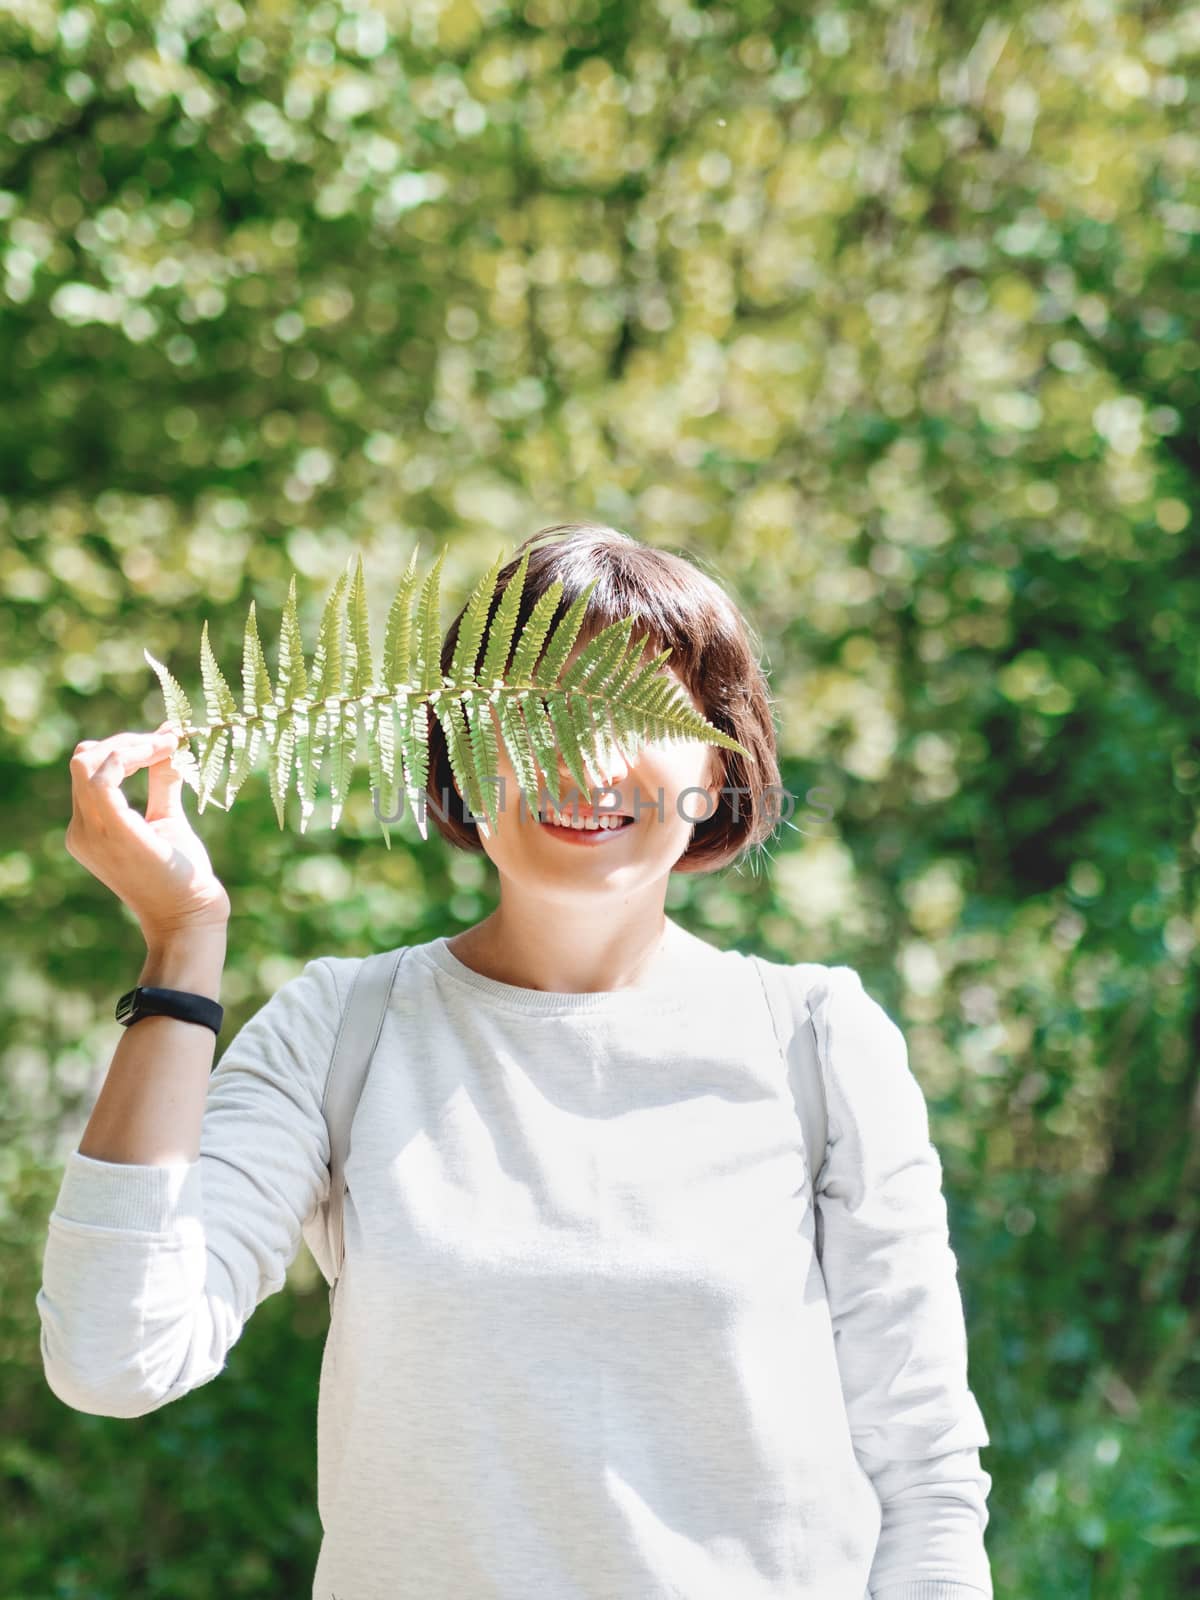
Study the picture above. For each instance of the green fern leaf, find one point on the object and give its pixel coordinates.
(221, 709)
(179, 712)
(484, 748)
(212, 762)
(596, 659)
(626, 721)
(379, 728)
(562, 640)
(312, 725)
(589, 674)
(545, 744)
(328, 657)
(279, 767)
(458, 748)
(363, 687)
(256, 680)
(470, 630)
(477, 702)
(256, 689)
(428, 630)
(414, 749)
(625, 725)
(325, 688)
(534, 634)
(179, 717)
(353, 672)
(627, 670)
(546, 718)
(500, 632)
(650, 699)
(362, 672)
(587, 737)
(218, 698)
(397, 641)
(311, 745)
(293, 682)
(520, 749)
(568, 740)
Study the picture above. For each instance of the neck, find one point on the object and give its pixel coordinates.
(569, 949)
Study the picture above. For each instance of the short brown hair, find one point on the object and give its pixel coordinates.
(676, 606)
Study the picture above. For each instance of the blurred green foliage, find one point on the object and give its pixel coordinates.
(884, 311)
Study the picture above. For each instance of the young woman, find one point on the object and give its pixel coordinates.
(582, 1346)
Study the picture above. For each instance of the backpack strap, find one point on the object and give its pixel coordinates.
(358, 1034)
(797, 1035)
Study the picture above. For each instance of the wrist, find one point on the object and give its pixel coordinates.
(191, 959)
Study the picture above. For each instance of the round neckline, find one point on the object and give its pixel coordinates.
(664, 989)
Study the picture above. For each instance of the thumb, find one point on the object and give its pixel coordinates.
(165, 794)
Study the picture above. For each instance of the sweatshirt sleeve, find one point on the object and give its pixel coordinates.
(897, 1313)
(150, 1273)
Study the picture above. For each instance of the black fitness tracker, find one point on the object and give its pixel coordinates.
(147, 1001)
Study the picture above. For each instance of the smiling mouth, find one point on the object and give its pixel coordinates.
(610, 823)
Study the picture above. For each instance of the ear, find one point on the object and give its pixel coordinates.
(716, 774)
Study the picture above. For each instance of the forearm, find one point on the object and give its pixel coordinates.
(158, 1251)
(151, 1106)
(891, 1278)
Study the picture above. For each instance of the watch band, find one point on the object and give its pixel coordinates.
(150, 1001)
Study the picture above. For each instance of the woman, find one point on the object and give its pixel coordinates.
(582, 1345)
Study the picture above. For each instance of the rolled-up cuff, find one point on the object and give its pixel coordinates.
(133, 1198)
(931, 1589)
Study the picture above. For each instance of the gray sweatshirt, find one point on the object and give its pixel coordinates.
(582, 1347)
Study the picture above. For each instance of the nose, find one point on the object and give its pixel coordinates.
(612, 767)
(611, 762)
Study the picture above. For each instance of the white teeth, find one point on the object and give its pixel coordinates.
(604, 825)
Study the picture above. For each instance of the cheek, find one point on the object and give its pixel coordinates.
(669, 771)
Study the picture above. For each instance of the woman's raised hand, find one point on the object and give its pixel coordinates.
(156, 864)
